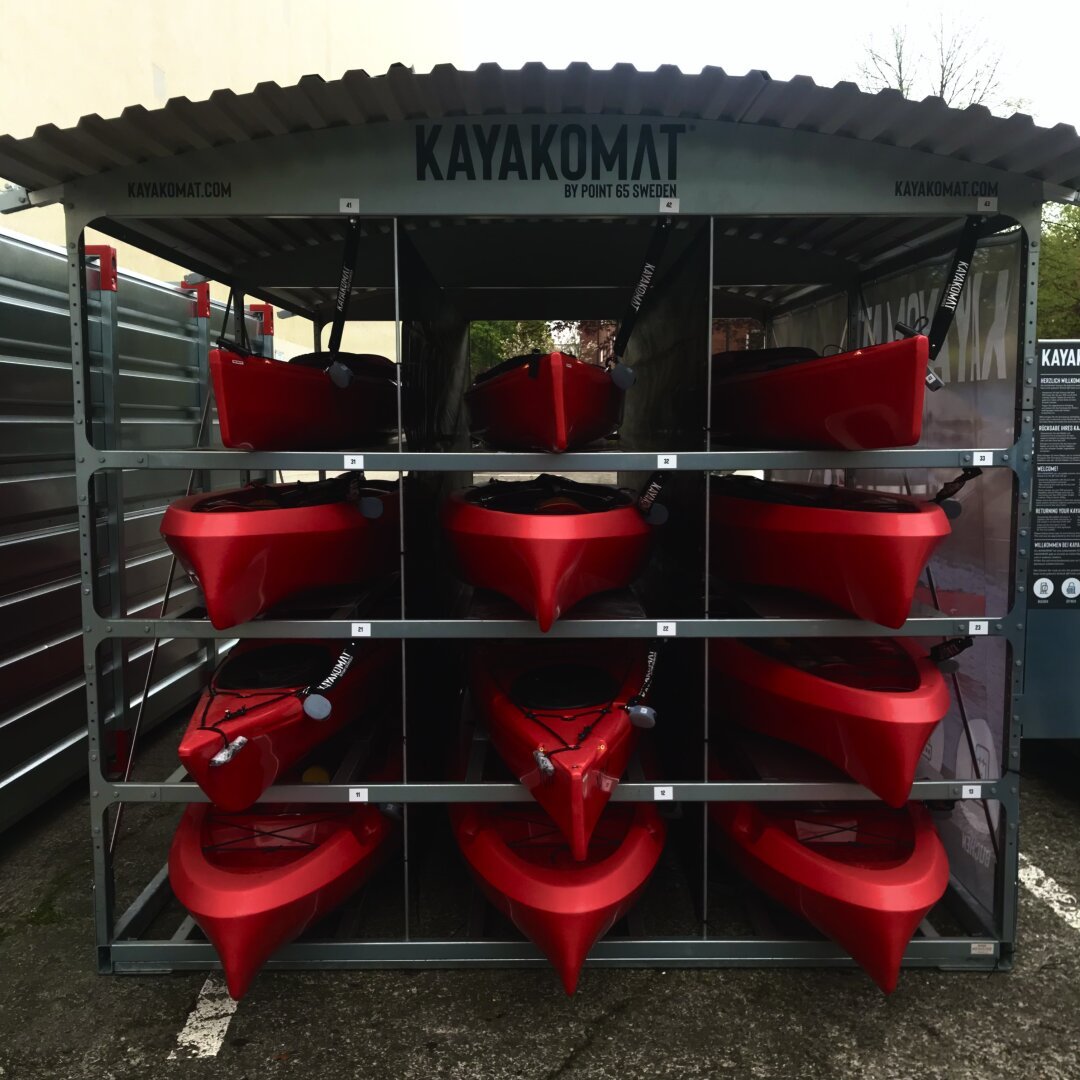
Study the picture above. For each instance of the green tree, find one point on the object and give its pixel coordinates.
(1059, 274)
(493, 340)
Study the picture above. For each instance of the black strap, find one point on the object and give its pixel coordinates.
(951, 292)
(949, 648)
(338, 671)
(948, 490)
(341, 303)
(646, 280)
(233, 305)
(651, 492)
(646, 683)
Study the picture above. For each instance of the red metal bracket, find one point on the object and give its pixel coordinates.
(202, 299)
(107, 265)
(265, 314)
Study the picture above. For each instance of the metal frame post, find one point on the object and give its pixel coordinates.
(100, 797)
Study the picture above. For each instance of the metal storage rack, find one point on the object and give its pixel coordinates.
(230, 183)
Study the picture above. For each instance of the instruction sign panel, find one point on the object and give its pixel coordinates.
(1055, 566)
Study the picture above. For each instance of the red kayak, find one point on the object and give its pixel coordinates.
(557, 716)
(868, 705)
(550, 402)
(862, 400)
(862, 551)
(253, 547)
(266, 404)
(546, 543)
(250, 724)
(255, 881)
(863, 875)
(525, 868)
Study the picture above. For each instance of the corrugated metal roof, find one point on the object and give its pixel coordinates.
(52, 156)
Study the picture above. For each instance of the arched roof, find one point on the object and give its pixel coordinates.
(54, 156)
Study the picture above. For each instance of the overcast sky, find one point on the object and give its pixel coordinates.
(824, 40)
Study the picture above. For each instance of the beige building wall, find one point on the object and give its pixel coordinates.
(63, 59)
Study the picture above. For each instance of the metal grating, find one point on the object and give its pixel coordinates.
(42, 687)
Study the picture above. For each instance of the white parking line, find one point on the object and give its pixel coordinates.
(1058, 899)
(207, 1024)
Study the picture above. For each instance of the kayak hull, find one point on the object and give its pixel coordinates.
(553, 402)
(546, 563)
(875, 735)
(596, 727)
(867, 399)
(272, 719)
(265, 404)
(525, 869)
(866, 562)
(246, 561)
(255, 881)
(870, 908)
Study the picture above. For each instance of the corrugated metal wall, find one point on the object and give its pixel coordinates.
(162, 362)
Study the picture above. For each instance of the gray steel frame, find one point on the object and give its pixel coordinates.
(980, 951)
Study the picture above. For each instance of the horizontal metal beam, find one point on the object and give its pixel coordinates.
(733, 791)
(495, 461)
(497, 629)
(136, 956)
(13, 198)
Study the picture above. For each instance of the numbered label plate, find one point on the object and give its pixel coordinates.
(358, 794)
(361, 629)
(979, 629)
(354, 461)
(666, 629)
(971, 791)
(349, 205)
(669, 206)
(667, 461)
(983, 457)
(663, 794)
(986, 204)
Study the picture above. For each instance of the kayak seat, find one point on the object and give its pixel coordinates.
(877, 664)
(564, 686)
(821, 496)
(504, 366)
(274, 666)
(362, 365)
(547, 495)
(739, 361)
(260, 496)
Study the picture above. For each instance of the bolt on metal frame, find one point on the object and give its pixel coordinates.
(101, 456)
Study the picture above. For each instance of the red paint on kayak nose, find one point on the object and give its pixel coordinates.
(546, 562)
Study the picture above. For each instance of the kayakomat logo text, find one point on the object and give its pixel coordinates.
(1054, 356)
(179, 189)
(945, 189)
(631, 161)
